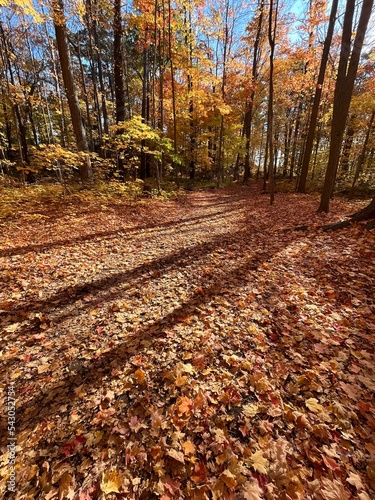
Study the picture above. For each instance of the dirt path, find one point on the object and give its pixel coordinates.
(199, 349)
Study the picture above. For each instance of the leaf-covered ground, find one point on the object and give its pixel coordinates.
(189, 350)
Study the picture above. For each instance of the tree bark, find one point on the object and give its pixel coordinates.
(118, 62)
(348, 143)
(362, 156)
(254, 77)
(70, 88)
(173, 87)
(366, 214)
(301, 188)
(347, 71)
(144, 172)
(272, 23)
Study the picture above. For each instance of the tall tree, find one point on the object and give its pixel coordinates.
(346, 74)
(362, 155)
(254, 77)
(20, 120)
(317, 96)
(272, 24)
(59, 22)
(118, 61)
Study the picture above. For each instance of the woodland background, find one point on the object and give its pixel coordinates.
(189, 91)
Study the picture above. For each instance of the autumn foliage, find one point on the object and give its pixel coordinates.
(199, 348)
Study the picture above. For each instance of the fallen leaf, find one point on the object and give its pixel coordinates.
(188, 447)
(259, 463)
(252, 490)
(200, 475)
(111, 482)
(171, 485)
(313, 405)
(140, 376)
(331, 463)
(228, 478)
(177, 455)
(333, 490)
(355, 480)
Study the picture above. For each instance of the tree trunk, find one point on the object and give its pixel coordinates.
(100, 71)
(254, 77)
(272, 23)
(174, 113)
(346, 75)
(85, 94)
(362, 156)
(226, 51)
(301, 188)
(118, 62)
(71, 93)
(366, 214)
(145, 160)
(192, 134)
(295, 141)
(348, 143)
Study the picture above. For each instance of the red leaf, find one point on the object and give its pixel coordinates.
(330, 463)
(200, 475)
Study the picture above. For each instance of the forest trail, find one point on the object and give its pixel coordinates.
(194, 349)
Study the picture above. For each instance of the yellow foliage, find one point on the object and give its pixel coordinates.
(26, 6)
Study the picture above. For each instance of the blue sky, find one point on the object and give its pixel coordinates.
(299, 7)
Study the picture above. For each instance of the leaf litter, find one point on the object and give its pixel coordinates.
(198, 349)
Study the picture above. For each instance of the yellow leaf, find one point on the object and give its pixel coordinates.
(250, 410)
(313, 405)
(188, 447)
(111, 482)
(333, 490)
(180, 381)
(15, 374)
(363, 496)
(259, 463)
(12, 328)
(355, 480)
(187, 368)
(66, 486)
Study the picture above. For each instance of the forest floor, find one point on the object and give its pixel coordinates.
(190, 349)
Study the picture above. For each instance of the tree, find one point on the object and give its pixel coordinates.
(317, 96)
(254, 77)
(70, 87)
(346, 74)
(118, 62)
(362, 155)
(272, 24)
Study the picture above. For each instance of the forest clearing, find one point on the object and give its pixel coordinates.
(197, 348)
(187, 214)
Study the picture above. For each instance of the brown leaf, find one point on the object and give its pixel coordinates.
(355, 480)
(139, 376)
(252, 490)
(228, 478)
(200, 475)
(177, 455)
(171, 485)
